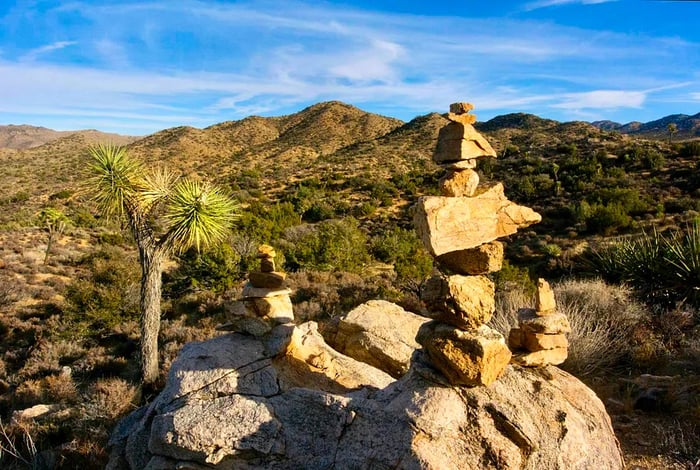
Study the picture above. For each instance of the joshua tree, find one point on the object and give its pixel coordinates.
(54, 221)
(166, 215)
(672, 130)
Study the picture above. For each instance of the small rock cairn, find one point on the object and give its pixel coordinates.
(459, 229)
(264, 303)
(540, 338)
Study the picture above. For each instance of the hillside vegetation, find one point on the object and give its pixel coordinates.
(330, 187)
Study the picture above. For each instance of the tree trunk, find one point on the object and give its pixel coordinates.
(48, 248)
(151, 269)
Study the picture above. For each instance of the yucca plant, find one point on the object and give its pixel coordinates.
(664, 268)
(166, 215)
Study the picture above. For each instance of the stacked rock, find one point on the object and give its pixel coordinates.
(265, 302)
(459, 229)
(540, 338)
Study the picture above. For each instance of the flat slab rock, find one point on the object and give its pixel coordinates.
(447, 224)
(242, 416)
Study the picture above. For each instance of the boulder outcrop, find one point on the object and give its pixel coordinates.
(381, 334)
(229, 405)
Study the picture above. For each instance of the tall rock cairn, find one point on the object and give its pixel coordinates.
(460, 229)
(540, 338)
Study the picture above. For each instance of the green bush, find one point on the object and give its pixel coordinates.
(332, 245)
(404, 250)
(216, 269)
(105, 294)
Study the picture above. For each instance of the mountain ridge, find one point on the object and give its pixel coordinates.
(238, 135)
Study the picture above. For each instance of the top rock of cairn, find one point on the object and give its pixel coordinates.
(459, 143)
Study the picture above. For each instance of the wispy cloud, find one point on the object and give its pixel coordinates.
(34, 54)
(536, 5)
(602, 99)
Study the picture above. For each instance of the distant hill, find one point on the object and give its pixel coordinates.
(688, 127)
(25, 137)
(359, 160)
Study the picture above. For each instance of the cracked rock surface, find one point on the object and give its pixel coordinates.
(229, 404)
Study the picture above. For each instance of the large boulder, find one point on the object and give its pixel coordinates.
(381, 334)
(230, 405)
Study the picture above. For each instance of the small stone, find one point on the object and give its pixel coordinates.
(544, 299)
(266, 251)
(258, 315)
(459, 165)
(267, 265)
(515, 339)
(470, 358)
(36, 411)
(541, 358)
(553, 324)
(463, 301)
(269, 280)
(461, 108)
(539, 341)
(484, 259)
(458, 141)
(447, 224)
(462, 118)
(250, 292)
(459, 183)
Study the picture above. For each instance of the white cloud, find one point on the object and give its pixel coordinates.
(554, 3)
(34, 54)
(602, 99)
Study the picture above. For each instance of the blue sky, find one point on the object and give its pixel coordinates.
(138, 66)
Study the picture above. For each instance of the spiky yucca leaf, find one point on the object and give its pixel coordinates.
(156, 187)
(115, 178)
(198, 214)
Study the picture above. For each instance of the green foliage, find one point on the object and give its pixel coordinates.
(404, 250)
(267, 222)
(664, 268)
(198, 215)
(216, 269)
(513, 277)
(331, 245)
(690, 149)
(105, 295)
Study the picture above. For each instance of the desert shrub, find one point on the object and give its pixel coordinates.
(51, 389)
(664, 268)
(267, 222)
(319, 294)
(110, 399)
(331, 245)
(216, 268)
(690, 149)
(404, 250)
(49, 356)
(608, 218)
(63, 194)
(512, 277)
(602, 319)
(105, 294)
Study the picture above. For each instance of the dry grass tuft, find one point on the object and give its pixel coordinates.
(603, 319)
(110, 399)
